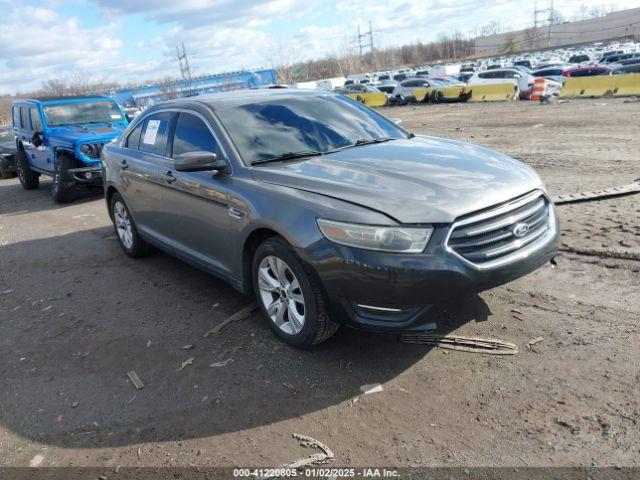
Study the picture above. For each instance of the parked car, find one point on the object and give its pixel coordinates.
(629, 68)
(552, 73)
(62, 137)
(387, 87)
(358, 88)
(580, 58)
(522, 80)
(591, 71)
(404, 90)
(325, 210)
(7, 153)
(523, 63)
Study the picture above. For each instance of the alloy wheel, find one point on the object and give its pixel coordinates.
(281, 294)
(123, 224)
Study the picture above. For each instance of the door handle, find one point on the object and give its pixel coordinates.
(123, 164)
(168, 177)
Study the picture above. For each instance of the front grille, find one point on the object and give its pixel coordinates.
(491, 236)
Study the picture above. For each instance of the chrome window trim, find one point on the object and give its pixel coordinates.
(520, 253)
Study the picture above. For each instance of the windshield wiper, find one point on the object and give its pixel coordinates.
(368, 141)
(288, 156)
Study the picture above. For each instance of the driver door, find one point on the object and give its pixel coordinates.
(39, 155)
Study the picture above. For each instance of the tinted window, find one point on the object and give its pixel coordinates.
(16, 117)
(192, 135)
(133, 140)
(154, 133)
(24, 121)
(269, 128)
(36, 123)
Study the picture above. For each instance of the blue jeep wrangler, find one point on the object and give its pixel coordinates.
(62, 137)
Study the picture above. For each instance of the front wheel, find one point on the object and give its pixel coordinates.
(289, 296)
(63, 187)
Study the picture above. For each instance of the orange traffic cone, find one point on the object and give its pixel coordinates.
(539, 88)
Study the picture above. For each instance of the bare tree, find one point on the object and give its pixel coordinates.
(54, 87)
(488, 29)
(168, 89)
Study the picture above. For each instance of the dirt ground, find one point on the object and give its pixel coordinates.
(76, 315)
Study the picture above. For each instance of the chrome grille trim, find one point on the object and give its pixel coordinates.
(485, 240)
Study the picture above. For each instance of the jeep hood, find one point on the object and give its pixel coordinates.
(94, 133)
(419, 180)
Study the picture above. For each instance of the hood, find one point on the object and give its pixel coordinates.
(419, 180)
(94, 133)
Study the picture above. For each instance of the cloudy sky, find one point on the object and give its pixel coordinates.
(135, 40)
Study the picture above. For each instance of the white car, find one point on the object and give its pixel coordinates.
(522, 80)
(404, 89)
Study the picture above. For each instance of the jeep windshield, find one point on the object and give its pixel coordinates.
(79, 113)
(297, 127)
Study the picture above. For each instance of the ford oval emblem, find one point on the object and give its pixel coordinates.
(520, 230)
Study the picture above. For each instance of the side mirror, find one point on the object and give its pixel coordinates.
(199, 162)
(37, 139)
(129, 117)
(397, 121)
(517, 75)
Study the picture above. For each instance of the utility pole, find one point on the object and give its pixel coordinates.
(360, 41)
(185, 70)
(371, 44)
(535, 15)
(551, 12)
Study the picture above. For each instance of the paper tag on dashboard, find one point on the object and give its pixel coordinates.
(151, 132)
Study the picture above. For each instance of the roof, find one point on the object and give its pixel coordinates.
(243, 97)
(60, 97)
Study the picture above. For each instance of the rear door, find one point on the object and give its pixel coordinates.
(143, 155)
(195, 204)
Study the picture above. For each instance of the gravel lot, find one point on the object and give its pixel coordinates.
(76, 315)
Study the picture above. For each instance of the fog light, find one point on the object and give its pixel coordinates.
(88, 175)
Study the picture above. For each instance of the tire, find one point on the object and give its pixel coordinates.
(29, 179)
(63, 188)
(437, 96)
(131, 242)
(5, 173)
(316, 327)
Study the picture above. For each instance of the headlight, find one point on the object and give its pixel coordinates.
(387, 239)
(88, 150)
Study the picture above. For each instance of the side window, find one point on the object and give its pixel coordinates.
(483, 75)
(16, 117)
(36, 122)
(24, 121)
(192, 135)
(154, 133)
(133, 140)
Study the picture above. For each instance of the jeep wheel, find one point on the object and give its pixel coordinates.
(63, 186)
(126, 231)
(5, 171)
(28, 178)
(289, 296)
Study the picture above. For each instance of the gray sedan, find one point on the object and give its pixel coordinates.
(325, 210)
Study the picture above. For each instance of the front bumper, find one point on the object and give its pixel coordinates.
(91, 175)
(393, 292)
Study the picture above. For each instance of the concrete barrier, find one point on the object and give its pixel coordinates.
(628, 84)
(421, 94)
(595, 86)
(370, 99)
(492, 92)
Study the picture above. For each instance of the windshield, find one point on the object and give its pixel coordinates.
(270, 129)
(78, 113)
